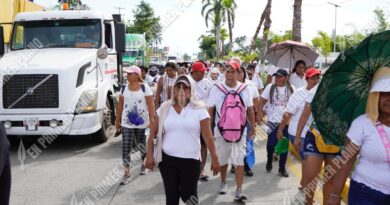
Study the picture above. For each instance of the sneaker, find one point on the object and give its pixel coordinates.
(268, 167)
(249, 172)
(232, 170)
(240, 196)
(283, 173)
(222, 188)
(125, 180)
(143, 170)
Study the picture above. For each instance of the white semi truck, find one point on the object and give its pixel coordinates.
(60, 74)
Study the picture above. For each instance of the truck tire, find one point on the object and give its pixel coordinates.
(105, 132)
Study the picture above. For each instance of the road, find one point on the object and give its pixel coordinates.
(74, 171)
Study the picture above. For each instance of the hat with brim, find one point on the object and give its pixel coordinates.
(184, 80)
(281, 72)
(134, 69)
(382, 85)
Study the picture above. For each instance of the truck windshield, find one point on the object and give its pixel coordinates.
(83, 33)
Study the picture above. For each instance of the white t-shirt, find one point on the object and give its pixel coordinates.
(181, 137)
(148, 79)
(254, 91)
(309, 99)
(257, 82)
(217, 97)
(202, 89)
(275, 110)
(135, 111)
(373, 167)
(297, 81)
(295, 106)
(166, 82)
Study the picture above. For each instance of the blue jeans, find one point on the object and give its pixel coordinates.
(360, 194)
(271, 143)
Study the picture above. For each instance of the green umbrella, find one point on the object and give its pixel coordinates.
(342, 94)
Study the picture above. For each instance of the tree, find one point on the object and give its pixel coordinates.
(186, 57)
(146, 22)
(207, 46)
(230, 6)
(323, 42)
(297, 21)
(224, 36)
(213, 11)
(276, 38)
(267, 26)
(382, 24)
(266, 12)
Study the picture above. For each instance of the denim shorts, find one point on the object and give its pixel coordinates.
(310, 148)
(360, 194)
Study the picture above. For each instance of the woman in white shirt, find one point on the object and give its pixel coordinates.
(294, 109)
(368, 137)
(178, 125)
(165, 84)
(134, 113)
(297, 77)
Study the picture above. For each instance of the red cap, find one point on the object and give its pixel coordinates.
(312, 72)
(198, 66)
(234, 64)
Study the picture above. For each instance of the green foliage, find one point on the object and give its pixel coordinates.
(382, 24)
(323, 42)
(276, 38)
(146, 22)
(207, 46)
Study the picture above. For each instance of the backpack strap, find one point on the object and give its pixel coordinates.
(123, 87)
(241, 88)
(222, 88)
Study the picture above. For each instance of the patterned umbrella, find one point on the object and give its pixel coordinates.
(342, 94)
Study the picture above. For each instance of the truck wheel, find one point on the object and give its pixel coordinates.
(105, 132)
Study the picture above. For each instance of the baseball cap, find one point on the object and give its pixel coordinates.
(183, 79)
(198, 66)
(234, 64)
(312, 72)
(281, 72)
(134, 69)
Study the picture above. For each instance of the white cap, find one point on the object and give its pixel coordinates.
(214, 70)
(382, 85)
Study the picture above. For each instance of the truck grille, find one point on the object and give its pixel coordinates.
(43, 96)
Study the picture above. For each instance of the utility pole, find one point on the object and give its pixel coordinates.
(119, 9)
(335, 24)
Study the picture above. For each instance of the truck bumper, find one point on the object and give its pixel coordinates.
(68, 124)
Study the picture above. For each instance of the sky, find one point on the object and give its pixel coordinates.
(183, 23)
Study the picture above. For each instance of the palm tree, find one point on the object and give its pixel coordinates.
(213, 11)
(267, 26)
(224, 36)
(230, 6)
(266, 12)
(297, 20)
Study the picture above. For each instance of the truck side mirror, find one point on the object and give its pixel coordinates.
(1, 41)
(102, 53)
(120, 42)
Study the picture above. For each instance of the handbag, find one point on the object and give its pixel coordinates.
(157, 154)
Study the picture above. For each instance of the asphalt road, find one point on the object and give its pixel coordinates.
(75, 171)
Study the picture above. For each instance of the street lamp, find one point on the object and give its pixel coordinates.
(335, 24)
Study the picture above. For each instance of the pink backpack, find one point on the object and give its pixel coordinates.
(232, 116)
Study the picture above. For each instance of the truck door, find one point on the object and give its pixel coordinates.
(111, 64)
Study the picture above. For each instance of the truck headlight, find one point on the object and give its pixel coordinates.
(87, 101)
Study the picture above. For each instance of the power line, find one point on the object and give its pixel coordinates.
(119, 9)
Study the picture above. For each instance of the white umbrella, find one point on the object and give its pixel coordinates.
(286, 53)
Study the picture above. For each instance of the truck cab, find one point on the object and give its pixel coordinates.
(60, 75)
